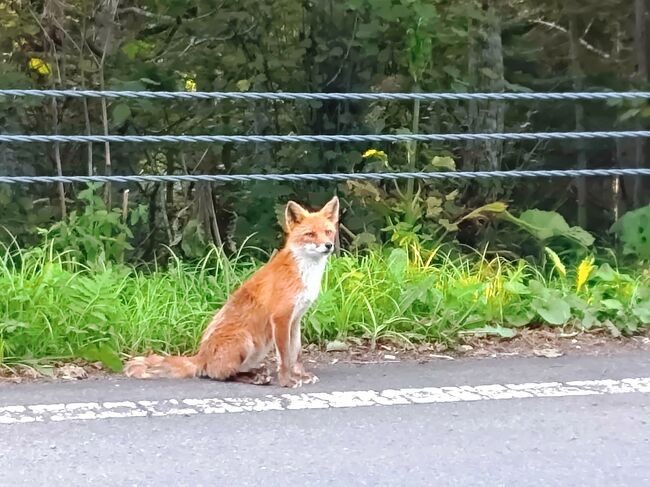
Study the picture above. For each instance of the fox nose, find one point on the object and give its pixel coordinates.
(329, 245)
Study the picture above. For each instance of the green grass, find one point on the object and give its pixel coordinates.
(53, 309)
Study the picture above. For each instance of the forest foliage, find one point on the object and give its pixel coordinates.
(324, 46)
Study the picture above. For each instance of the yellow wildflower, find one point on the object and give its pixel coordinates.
(374, 152)
(585, 268)
(190, 84)
(40, 66)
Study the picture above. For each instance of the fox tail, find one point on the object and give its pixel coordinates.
(154, 366)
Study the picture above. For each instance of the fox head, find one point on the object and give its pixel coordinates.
(312, 233)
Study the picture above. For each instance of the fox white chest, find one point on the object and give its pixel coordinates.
(311, 273)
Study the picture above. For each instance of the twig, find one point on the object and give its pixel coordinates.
(348, 232)
(82, 74)
(168, 18)
(585, 44)
(412, 148)
(125, 205)
(57, 157)
(55, 112)
(145, 13)
(205, 152)
(213, 220)
(347, 53)
(107, 146)
(165, 218)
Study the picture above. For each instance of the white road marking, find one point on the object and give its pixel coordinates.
(316, 400)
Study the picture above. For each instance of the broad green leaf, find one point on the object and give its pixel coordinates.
(538, 289)
(397, 263)
(446, 162)
(447, 225)
(121, 113)
(642, 311)
(589, 321)
(496, 207)
(417, 292)
(516, 287)
(434, 207)
(580, 235)
(612, 328)
(634, 231)
(497, 330)
(149, 81)
(544, 225)
(612, 304)
(243, 85)
(519, 318)
(102, 353)
(605, 273)
(554, 312)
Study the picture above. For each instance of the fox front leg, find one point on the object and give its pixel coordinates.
(296, 355)
(282, 336)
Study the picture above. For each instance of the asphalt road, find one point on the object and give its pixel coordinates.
(423, 425)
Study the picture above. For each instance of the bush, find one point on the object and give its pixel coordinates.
(55, 308)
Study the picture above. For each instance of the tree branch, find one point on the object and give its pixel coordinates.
(583, 43)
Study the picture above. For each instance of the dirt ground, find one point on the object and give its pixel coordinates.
(528, 343)
(541, 342)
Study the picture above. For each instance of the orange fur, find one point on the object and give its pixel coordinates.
(264, 312)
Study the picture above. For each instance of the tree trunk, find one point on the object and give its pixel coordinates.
(57, 158)
(412, 147)
(577, 78)
(641, 50)
(486, 75)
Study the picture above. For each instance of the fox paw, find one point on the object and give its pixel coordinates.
(258, 377)
(262, 379)
(306, 377)
(290, 380)
(309, 378)
(294, 380)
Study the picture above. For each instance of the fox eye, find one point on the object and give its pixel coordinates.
(310, 234)
(328, 233)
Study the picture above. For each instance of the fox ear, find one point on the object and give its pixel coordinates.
(293, 214)
(331, 210)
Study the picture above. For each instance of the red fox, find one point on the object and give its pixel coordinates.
(265, 310)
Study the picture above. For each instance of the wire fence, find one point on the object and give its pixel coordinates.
(300, 138)
(280, 96)
(338, 177)
(247, 139)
